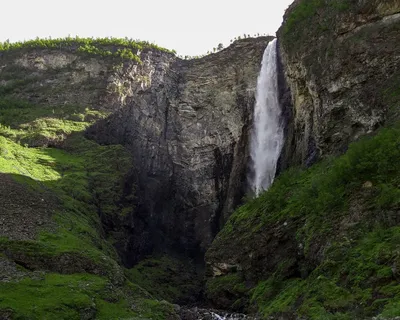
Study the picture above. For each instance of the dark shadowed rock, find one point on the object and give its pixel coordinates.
(186, 123)
(341, 63)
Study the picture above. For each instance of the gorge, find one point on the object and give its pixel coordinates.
(125, 171)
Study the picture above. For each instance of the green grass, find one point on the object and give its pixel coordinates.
(283, 294)
(304, 20)
(54, 297)
(85, 184)
(347, 280)
(358, 256)
(232, 286)
(76, 296)
(166, 278)
(86, 181)
(323, 193)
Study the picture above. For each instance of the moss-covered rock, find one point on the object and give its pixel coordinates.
(173, 279)
(78, 296)
(341, 63)
(57, 189)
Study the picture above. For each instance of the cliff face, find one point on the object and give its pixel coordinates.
(186, 124)
(107, 157)
(316, 244)
(341, 63)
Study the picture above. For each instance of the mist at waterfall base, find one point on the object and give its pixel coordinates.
(267, 135)
(209, 314)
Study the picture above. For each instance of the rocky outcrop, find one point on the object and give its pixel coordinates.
(341, 62)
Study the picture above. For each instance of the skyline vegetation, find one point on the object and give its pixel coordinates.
(125, 48)
(107, 47)
(221, 46)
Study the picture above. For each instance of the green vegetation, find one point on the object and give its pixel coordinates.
(228, 287)
(44, 149)
(84, 174)
(77, 296)
(308, 9)
(344, 286)
(167, 278)
(34, 125)
(343, 213)
(326, 190)
(306, 18)
(124, 48)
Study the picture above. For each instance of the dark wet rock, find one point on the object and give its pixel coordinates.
(341, 66)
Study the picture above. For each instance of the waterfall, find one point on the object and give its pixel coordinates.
(267, 135)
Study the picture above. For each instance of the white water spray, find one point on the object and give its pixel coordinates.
(233, 316)
(267, 136)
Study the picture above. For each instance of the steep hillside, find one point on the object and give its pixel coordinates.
(185, 124)
(110, 154)
(341, 63)
(323, 242)
(55, 188)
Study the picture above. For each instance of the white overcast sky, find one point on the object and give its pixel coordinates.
(190, 27)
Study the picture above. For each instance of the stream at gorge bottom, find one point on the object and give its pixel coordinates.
(209, 314)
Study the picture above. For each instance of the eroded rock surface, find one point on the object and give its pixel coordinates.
(341, 61)
(187, 125)
(339, 81)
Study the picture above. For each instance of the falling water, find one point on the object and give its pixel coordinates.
(267, 136)
(204, 314)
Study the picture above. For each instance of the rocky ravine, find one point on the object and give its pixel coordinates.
(186, 124)
(133, 158)
(284, 255)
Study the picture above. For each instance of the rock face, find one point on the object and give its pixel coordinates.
(186, 123)
(339, 80)
(341, 62)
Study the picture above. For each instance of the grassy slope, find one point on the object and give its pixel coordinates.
(322, 243)
(85, 280)
(168, 278)
(344, 216)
